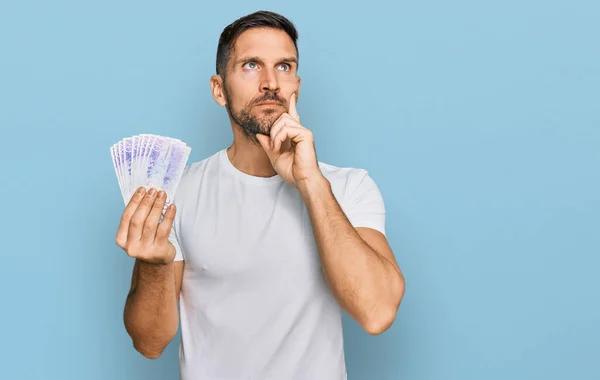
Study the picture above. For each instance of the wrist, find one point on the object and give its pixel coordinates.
(313, 186)
(156, 264)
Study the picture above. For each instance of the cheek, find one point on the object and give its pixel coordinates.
(287, 78)
(246, 78)
(250, 75)
(288, 84)
(245, 85)
(238, 100)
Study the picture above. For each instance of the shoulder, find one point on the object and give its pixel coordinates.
(192, 175)
(344, 177)
(348, 183)
(358, 195)
(339, 173)
(195, 168)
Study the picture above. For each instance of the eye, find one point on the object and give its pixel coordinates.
(285, 67)
(250, 65)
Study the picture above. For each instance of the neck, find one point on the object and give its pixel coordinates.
(248, 156)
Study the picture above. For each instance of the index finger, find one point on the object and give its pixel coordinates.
(293, 112)
(128, 214)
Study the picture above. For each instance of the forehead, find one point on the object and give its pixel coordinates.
(266, 43)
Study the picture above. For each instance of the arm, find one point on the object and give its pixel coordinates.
(151, 316)
(358, 263)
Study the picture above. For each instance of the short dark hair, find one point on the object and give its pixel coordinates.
(260, 19)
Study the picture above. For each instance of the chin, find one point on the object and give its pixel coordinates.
(268, 118)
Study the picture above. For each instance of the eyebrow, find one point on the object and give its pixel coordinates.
(257, 59)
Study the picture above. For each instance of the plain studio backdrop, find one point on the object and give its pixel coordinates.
(480, 122)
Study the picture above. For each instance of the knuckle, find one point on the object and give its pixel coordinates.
(134, 250)
(164, 227)
(159, 203)
(121, 242)
(136, 222)
(126, 216)
(148, 199)
(130, 252)
(149, 227)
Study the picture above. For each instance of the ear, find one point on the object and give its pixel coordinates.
(216, 87)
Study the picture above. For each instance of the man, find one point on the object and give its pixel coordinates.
(267, 245)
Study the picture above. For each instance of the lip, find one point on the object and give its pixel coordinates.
(268, 104)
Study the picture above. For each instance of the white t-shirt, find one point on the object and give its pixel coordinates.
(254, 303)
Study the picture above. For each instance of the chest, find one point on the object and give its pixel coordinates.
(252, 233)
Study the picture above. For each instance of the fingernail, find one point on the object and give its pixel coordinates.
(161, 194)
(141, 190)
(152, 191)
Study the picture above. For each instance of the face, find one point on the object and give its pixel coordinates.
(261, 77)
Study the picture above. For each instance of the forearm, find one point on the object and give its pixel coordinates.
(151, 317)
(365, 284)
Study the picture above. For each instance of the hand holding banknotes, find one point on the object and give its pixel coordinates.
(141, 233)
(150, 162)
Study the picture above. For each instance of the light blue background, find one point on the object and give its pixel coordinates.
(479, 120)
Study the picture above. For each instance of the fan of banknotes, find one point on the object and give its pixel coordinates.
(151, 161)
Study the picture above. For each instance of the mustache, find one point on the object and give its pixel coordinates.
(269, 97)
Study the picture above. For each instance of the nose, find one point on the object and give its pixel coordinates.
(269, 81)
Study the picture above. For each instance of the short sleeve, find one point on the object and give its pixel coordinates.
(175, 233)
(175, 241)
(364, 205)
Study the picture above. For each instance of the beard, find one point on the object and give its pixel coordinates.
(250, 124)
